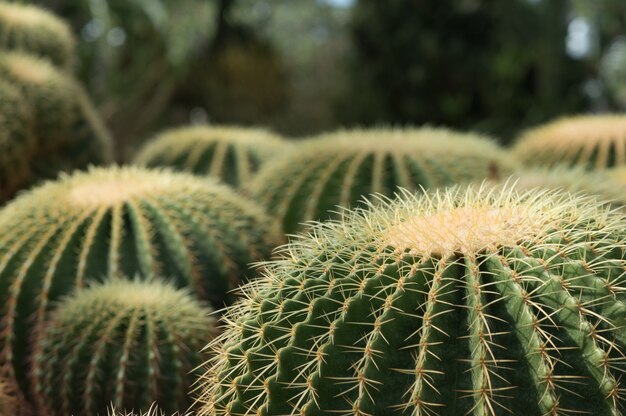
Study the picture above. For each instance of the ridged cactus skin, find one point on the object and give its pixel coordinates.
(111, 222)
(35, 31)
(339, 169)
(17, 141)
(129, 343)
(463, 302)
(593, 142)
(601, 184)
(68, 133)
(232, 154)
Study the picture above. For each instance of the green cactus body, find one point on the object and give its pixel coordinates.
(153, 411)
(463, 302)
(17, 143)
(232, 154)
(120, 222)
(68, 132)
(35, 31)
(601, 184)
(129, 343)
(340, 169)
(593, 142)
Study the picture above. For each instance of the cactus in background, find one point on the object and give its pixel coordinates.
(68, 132)
(8, 404)
(463, 302)
(35, 31)
(129, 343)
(339, 169)
(110, 222)
(17, 142)
(232, 154)
(600, 184)
(593, 142)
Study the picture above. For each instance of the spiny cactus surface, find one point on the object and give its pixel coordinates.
(464, 302)
(17, 144)
(232, 154)
(68, 133)
(340, 169)
(129, 343)
(35, 31)
(593, 142)
(153, 411)
(120, 222)
(602, 184)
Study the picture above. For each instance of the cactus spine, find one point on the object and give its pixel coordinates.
(127, 343)
(461, 302)
(232, 154)
(111, 222)
(35, 31)
(340, 169)
(593, 142)
(68, 133)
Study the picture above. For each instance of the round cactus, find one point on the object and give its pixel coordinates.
(17, 144)
(461, 302)
(232, 154)
(129, 343)
(35, 31)
(67, 131)
(339, 169)
(110, 222)
(593, 142)
(600, 184)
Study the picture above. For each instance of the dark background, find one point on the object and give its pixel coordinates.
(304, 66)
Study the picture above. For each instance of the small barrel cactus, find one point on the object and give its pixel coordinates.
(600, 184)
(593, 142)
(68, 133)
(111, 222)
(232, 154)
(35, 31)
(17, 141)
(129, 343)
(461, 302)
(340, 169)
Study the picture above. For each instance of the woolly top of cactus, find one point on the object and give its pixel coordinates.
(15, 14)
(29, 68)
(107, 187)
(199, 134)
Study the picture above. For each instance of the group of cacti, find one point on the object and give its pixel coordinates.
(395, 296)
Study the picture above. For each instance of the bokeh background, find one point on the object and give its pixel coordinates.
(301, 67)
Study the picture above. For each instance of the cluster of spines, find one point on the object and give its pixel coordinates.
(111, 222)
(232, 154)
(131, 343)
(340, 169)
(347, 325)
(33, 30)
(593, 142)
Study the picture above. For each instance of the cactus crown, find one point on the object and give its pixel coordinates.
(466, 301)
(594, 142)
(126, 342)
(339, 169)
(35, 31)
(232, 154)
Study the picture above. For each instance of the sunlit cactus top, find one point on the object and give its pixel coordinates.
(463, 302)
(593, 142)
(232, 154)
(341, 168)
(33, 30)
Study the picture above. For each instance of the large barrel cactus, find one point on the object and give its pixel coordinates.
(17, 141)
(463, 302)
(593, 142)
(232, 154)
(129, 343)
(35, 31)
(112, 222)
(68, 132)
(340, 169)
